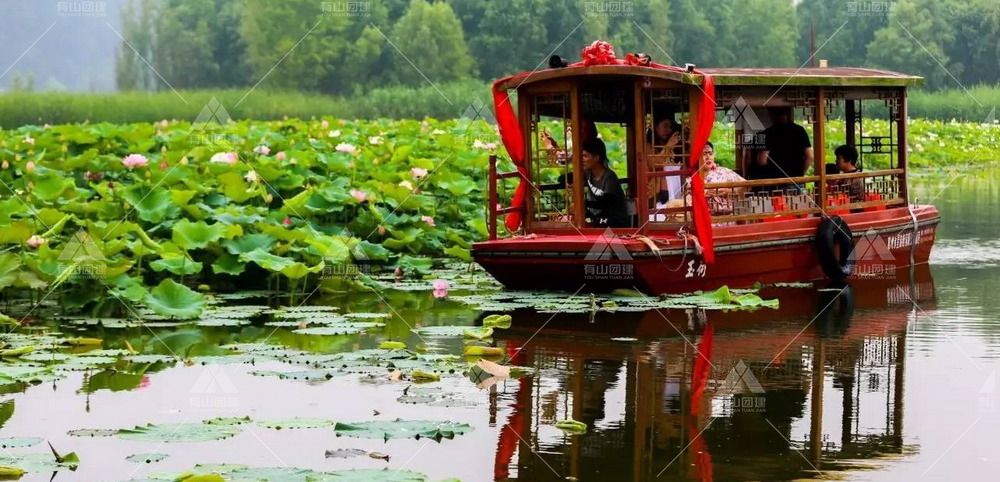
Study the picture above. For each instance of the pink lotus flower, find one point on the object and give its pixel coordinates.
(418, 172)
(133, 161)
(427, 219)
(280, 155)
(440, 288)
(325, 124)
(35, 241)
(287, 221)
(228, 158)
(262, 150)
(359, 196)
(29, 167)
(346, 148)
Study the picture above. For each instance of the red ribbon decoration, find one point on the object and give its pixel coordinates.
(705, 112)
(513, 141)
(598, 53)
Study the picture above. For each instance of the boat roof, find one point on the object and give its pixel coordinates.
(729, 76)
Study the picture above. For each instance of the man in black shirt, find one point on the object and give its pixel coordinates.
(788, 152)
(605, 200)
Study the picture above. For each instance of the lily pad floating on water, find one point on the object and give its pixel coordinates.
(489, 351)
(392, 345)
(385, 429)
(478, 333)
(228, 421)
(179, 432)
(18, 442)
(498, 321)
(296, 423)
(92, 432)
(146, 458)
(350, 328)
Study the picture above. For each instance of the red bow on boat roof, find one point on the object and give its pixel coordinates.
(602, 53)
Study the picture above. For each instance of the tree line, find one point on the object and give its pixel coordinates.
(346, 47)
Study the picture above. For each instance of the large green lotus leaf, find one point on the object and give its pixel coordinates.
(228, 264)
(234, 186)
(179, 432)
(52, 185)
(296, 205)
(10, 265)
(248, 243)
(299, 270)
(190, 235)
(367, 251)
(153, 205)
(332, 249)
(385, 429)
(177, 264)
(16, 232)
(267, 260)
(175, 300)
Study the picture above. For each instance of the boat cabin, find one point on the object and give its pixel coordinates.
(648, 116)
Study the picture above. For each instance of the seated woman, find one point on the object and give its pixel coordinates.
(605, 200)
(719, 199)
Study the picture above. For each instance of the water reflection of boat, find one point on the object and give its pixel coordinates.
(777, 395)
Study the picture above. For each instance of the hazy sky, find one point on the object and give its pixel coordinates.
(65, 44)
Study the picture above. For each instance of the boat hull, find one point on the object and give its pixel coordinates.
(775, 252)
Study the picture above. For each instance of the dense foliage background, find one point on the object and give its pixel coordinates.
(359, 45)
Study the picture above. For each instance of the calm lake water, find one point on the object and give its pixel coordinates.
(894, 379)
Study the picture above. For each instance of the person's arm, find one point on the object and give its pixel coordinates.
(809, 160)
(807, 146)
(762, 157)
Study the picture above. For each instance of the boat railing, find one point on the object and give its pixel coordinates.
(763, 200)
(493, 200)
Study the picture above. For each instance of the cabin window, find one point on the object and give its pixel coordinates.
(665, 150)
(552, 166)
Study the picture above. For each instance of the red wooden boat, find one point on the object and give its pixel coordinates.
(684, 233)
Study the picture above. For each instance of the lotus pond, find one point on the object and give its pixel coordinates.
(291, 301)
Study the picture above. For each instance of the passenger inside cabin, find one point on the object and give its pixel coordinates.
(605, 202)
(719, 199)
(847, 163)
(788, 152)
(665, 138)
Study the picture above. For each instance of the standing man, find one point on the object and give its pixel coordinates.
(788, 152)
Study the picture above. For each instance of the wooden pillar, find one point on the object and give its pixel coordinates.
(819, 146)
(641, 168)
(578, 174)
(849, 113)
(901, 145)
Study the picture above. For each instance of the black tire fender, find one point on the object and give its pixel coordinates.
(834, 244)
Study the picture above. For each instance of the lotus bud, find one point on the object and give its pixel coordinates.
(5, 164)
(268, 198)
(184, 161)
(35, 241)
(29, 167)
(381, 230)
